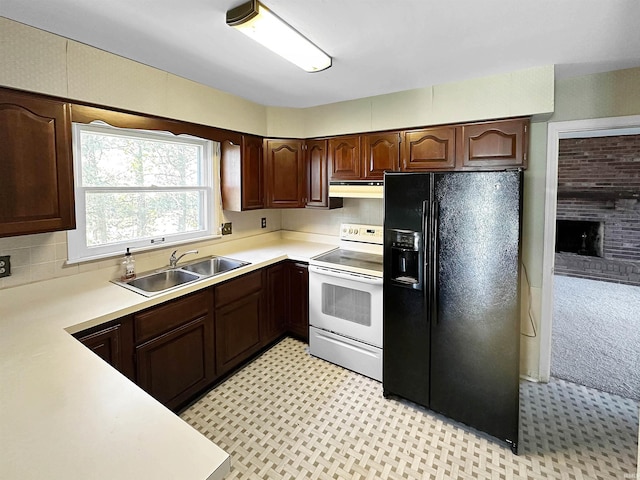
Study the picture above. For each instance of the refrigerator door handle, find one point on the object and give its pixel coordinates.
(424, 274)
(435, 216)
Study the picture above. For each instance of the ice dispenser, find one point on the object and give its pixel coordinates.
(406, 258)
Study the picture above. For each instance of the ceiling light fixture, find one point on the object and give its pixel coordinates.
(261, 24)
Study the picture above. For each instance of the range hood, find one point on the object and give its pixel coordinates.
(356, 189)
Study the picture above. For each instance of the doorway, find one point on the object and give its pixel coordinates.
(555, 132)
(612, 126)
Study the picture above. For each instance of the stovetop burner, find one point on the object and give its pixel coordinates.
(360, 251)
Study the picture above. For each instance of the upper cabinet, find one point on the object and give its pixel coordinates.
(285, 173)
(242, 173)
(36, 164)
(363, 157)
(381, 153)
(318, 176)
(497, 144)
(429, 149)
(344, 157)
(488, 145)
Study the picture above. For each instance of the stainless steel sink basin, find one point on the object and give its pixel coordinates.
(159, 281)
(213, 266)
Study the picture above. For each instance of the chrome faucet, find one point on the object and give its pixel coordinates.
(173, 260)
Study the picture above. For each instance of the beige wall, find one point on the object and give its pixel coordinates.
(42, 62)
(526, 92)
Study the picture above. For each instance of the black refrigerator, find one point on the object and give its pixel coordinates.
(451, 295)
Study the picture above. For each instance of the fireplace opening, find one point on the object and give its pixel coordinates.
(581, 237)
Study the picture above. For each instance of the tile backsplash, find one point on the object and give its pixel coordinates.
(35, 257)
(327, 222)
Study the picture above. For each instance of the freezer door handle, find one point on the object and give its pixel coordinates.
(424, 274)
(435, 216)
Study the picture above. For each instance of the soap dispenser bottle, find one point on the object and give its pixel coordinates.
(128, 266)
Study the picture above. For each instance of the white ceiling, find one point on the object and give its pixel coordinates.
(378, 46)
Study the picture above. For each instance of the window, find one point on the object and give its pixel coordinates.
(138, 188)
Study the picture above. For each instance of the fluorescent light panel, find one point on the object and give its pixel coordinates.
(258, 22)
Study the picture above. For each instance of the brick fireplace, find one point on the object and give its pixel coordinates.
(598, 215)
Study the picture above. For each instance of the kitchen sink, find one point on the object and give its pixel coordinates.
(214, 266)
(156, 282)
(160, 281)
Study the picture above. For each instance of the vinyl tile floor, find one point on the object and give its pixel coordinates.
(288, 415)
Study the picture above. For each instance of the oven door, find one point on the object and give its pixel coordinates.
(346, 303)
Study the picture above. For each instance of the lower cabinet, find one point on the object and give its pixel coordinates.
(113, 343)
(175, 348)
(274, 324)
(298, 300)
(238, 315)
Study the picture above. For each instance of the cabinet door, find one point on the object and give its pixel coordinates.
(494, 145)
(344, 158)
(252, 173)
(286, 180)
(106, 344)
(298, 301)
(429, 149)
(238, 331)
(36, 164)
(113, 342)
(178, 364)
(381, 153)
(274, 323)
(317, 169)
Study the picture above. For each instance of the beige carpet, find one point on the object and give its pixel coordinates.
(288, 415)
(596, 335)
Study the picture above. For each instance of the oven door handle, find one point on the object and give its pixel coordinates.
(356, 277)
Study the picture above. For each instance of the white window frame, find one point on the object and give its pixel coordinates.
(78, 251)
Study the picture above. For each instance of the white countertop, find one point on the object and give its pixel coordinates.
(66, 414)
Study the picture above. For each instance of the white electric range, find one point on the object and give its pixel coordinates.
(345, 301)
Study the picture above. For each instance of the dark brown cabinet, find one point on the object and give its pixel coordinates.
(285, 173)
(239, 311)
(274, 323)
(429, 149)
(318, 176)
(113, 342)
(364, 157)
(36, 164)
(175, 348)
(344, 157)
(242, 173)
(496, 144)
(298, 300)
(106, 344)
(381, 153)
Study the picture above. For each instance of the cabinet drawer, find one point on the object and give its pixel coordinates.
(238, 288)
(158, 320)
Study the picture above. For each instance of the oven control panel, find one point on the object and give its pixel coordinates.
(362, 233)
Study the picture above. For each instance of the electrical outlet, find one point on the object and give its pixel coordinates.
(263, 222)
(226, 228)
(5, 266)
